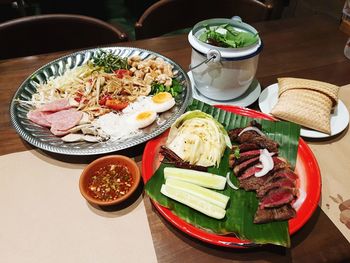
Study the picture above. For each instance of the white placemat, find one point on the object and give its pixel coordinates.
(44, 218)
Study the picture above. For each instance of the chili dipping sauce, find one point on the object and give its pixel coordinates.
(110, 182)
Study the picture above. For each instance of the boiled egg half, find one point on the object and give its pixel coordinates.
(162, 101)
(143, 119)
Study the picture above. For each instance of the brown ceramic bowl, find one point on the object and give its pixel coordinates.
(99, 163)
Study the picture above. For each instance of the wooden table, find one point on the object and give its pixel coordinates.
(304, 47)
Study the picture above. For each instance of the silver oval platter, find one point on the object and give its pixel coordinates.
(42, 138)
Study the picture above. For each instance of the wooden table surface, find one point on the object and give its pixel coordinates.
(302, 47)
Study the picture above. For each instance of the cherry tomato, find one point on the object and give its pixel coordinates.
(116, 104)
(103, 100)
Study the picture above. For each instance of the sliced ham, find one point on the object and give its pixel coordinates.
(39, 117)
(64, 120)
(57, 105)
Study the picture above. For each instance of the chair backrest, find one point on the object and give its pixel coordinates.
(169, 15)
(54, 32)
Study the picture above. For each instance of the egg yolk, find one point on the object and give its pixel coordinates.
(161, 97)
(143, 115)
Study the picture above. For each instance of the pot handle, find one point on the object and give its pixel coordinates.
(213, 55)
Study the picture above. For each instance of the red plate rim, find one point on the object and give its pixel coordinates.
(306, 161)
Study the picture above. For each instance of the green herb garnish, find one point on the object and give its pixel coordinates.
(226, 36)
(109, 61)
(175, 89)
(236, 153)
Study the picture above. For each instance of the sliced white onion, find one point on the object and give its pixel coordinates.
(302, 196)
(229, 181)
(266, 162)
(252, 128)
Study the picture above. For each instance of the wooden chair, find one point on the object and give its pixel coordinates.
(55, 32)
(169, 15)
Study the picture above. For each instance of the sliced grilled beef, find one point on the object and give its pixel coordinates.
(244, 157)
(281, 183)
(266, 215)
(279, 163)
(233, 134)
(238, 169)
(266, 143)
(282, 173)
(252, 183)
(246, 151)
(248, 155)
(253, 137)
(277, 197)
(250, 171)
(276, 189)
(248, 146)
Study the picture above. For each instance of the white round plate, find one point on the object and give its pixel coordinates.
(339, 117)
(248, 98)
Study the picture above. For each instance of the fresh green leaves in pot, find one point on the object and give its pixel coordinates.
(227, 36)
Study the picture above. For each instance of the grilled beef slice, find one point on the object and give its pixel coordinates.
(283, 173)
(246, 151)
(277, 197)
(281, 183)
(244, 157)
(252, 137)
(252, 183)
(266, 215)
(238, 169)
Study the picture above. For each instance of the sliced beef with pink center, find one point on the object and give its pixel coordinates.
(238, 169)
(281, 183)
(277, 197)
(252, 183)
(266, 215)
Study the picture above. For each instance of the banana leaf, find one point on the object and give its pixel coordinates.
(242, 204)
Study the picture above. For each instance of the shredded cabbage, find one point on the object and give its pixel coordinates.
(198, 138)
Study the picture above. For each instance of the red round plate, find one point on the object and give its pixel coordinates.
(306, 168)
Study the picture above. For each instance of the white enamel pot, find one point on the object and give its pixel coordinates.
(223, 73)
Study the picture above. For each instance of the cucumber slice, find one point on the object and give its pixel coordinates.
(204, 179)
(208, 195)
(193, 201)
